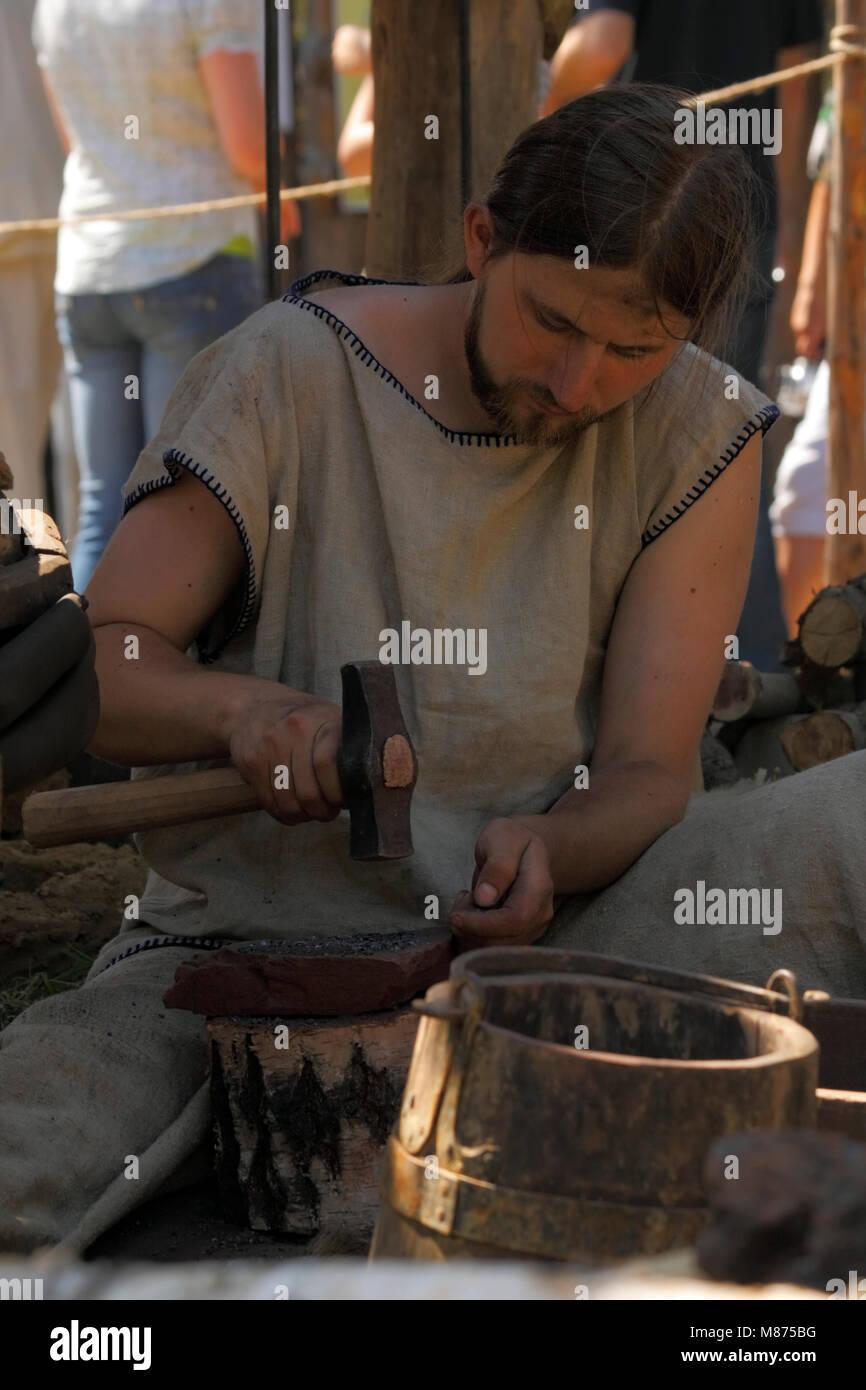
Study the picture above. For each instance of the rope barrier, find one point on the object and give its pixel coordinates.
(846, 41)
(243, 200)
(842, 49)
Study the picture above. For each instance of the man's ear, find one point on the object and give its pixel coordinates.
(477, 236)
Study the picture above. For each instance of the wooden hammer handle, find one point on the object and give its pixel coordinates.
(117, 808)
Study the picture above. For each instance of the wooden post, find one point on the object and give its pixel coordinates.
(272, 149)
(416, 203)
(845, 555)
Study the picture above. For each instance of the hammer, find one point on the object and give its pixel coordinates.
(376, 763)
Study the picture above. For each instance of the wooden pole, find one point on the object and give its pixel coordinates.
(315, 150)
(417, 200)
(272, 148)
(845, 555)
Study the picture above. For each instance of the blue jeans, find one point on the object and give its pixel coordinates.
(150, 335)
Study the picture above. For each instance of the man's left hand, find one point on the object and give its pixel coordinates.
(513, 871)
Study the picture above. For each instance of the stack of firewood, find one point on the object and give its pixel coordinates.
(810, 712)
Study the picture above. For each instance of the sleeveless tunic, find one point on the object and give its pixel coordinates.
(394, 519)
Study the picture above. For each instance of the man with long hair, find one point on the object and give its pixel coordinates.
(538, 455)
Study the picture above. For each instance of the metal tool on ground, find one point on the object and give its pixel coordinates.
(377, 765)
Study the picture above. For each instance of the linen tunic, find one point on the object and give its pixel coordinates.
(394, 518)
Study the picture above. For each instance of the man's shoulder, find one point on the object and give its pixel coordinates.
(374, 312)
(694, 420)
(274, 337)
(697, 388)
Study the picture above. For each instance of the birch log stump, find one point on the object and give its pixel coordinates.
(310, 1046)
(300, 1129)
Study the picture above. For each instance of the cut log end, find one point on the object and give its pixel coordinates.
(736, 693)
(820, 738)
(746, 693)
(832, 627)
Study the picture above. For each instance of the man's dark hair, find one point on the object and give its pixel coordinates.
(605, 172)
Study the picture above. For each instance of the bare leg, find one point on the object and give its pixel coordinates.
(799, 561)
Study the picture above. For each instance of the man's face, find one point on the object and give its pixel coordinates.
(551, 349)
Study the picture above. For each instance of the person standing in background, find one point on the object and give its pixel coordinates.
(156, 103)
(31, 173)
(799, 512)
(699, 46)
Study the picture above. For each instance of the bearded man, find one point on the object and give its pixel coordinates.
(540, 448)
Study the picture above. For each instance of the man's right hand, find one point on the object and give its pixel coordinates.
(286, 748)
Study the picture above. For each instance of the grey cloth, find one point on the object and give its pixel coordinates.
(803, 835)
(89, 1080)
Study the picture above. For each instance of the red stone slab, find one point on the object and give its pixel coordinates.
(325, 976)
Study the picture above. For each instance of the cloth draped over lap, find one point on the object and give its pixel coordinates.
(359, 513)
(798, 841)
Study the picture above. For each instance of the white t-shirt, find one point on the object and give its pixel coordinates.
(125, 77)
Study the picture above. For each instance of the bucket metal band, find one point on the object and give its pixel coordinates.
(547, 1225)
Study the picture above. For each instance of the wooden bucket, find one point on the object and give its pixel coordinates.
(522, 1135)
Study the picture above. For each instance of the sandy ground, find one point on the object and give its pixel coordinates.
(57, 905)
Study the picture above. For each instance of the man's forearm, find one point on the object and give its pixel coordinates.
(594, 835)
(159, 706)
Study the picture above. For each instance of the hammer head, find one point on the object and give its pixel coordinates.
(377, 764)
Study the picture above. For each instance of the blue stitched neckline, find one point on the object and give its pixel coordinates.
(294, 295)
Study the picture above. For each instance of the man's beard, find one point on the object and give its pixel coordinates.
(498, 401)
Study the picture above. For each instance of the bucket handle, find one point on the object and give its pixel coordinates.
(468, 1004)
(785, 982)
(780, 982)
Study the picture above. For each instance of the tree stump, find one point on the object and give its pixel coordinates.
(310, 1047)
(302, 1112)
